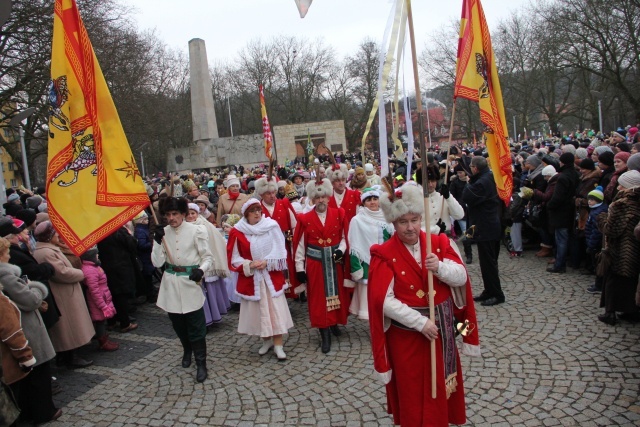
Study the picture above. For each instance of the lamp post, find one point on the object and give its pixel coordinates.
(142, 158)
(514, 129)
(16, 121)
(230, 122)
(599, 95)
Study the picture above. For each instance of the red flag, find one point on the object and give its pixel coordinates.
(266, 127)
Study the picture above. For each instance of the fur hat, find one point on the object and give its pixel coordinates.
(168, 204)
(368, 167)
(319, 189)
(193, 207)
(337, 172)
(406, 199)
(433, 172)
(263, 186)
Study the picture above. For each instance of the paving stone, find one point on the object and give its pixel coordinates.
(546, 361)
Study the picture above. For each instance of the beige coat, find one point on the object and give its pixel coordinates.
(74, 329)
(227, 206)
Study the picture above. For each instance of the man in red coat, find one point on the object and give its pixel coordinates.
(282, 212)
(320, 245)
(401, 332)
(343, 197)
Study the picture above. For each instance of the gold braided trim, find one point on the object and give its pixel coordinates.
(333, 303)
(451, 384)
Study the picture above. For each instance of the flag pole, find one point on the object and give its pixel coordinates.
(164, 244)
(425, 190)
(446, 170)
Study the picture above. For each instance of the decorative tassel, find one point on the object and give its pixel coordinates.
(451, 384)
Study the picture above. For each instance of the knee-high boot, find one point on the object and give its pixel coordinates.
(325, 334)
(200, 355)
(186, 356)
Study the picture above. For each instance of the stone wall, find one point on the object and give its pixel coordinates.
(249, 149)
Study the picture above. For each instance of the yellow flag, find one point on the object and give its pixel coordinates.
(477, 80)
(93, 182)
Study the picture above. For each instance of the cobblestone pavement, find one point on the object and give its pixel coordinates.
(546, 361)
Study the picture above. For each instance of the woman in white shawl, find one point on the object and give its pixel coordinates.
(366, 229)
(256, 251)
(216, 301)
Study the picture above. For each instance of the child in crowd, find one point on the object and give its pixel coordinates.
(99, 298)
(592, 235)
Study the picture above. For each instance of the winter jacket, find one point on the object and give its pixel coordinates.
(617, 225)
(144, 246)
(611, 189)
(516, 208)
(14, 346)
(118, 254)
(560, 208)
(481, 197)
(592, 235)
(605, 177)
(74, 329)
(28, 297)
(99, 298)
(39, 272)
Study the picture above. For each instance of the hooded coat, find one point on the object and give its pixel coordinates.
(561, 206)
(28, 297)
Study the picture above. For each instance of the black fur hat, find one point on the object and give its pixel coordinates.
(168, 204)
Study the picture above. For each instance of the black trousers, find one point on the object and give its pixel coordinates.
(121, 304)
(488, 252)
(190, 327)
(33, 394)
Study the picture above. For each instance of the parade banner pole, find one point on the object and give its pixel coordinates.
(164, 244)
(425, 189)
(446, 171)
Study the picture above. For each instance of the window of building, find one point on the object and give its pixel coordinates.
(14, 182)
(12, 166)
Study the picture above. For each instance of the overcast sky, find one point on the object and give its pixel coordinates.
(227, 26)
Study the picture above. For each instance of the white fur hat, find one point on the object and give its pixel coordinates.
(316, 189)
(252, 201)
(337, 172)
(262, 185)
(548, 171)
(368, 167)
(406, 199)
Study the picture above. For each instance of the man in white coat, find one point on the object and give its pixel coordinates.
(442, 207)
(185, 254)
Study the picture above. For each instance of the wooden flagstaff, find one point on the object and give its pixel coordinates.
(164, 244)
(423, 154)
(446, 173)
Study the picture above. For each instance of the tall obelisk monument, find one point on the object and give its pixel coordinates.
(203, 113)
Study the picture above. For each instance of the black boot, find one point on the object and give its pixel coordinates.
(335, 330)
(302, 297)
(468, 251)
(325, 334)
(186, 356)
(200, 354)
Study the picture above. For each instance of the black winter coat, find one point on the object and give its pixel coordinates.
(40, 273)
(118, 255)
(561, 208)
(481, 198)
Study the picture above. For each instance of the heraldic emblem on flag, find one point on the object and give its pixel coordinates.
(93, 182)
(477, 80)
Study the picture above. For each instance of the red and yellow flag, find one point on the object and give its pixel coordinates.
(477, 80)
(266, 127)
(93, 182)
